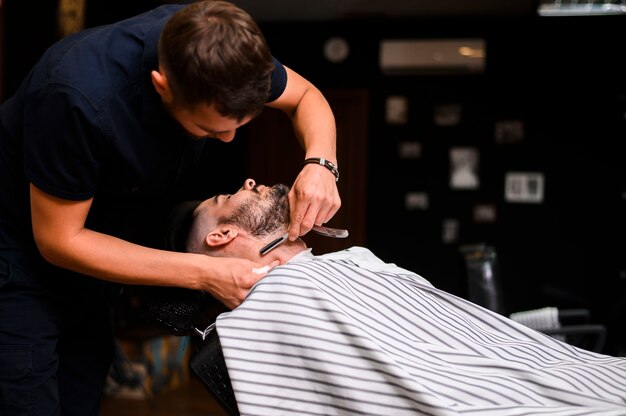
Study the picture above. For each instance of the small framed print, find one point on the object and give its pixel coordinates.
(416, 201)
(484, 213)
(524, 187)
(464, 168)
(447, 115)
(450, 230)
(409, 150)
(509, 131)
(397, 109)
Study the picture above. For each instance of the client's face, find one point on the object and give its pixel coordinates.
(258, 209)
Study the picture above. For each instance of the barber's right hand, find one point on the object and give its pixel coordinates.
(231, 279)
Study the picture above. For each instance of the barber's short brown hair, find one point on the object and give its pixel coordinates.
(214, 53)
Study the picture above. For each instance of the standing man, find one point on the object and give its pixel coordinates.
(109, 119)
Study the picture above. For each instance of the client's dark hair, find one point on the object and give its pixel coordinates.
(178, 225)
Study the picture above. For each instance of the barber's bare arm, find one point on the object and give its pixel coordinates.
(63, 240)
(314, 198)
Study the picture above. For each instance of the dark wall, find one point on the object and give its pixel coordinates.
(563, 79)
(26, 36)
(28, 33)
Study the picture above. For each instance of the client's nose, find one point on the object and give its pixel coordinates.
(249, 183)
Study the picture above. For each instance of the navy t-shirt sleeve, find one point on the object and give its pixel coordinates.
(279, 81)
(62, 144)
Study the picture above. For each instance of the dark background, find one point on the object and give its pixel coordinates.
(562, 77)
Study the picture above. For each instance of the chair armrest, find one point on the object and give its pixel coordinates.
(574, 315)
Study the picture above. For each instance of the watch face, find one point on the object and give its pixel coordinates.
(336, 49)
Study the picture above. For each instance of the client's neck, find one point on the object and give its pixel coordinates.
(284, 252)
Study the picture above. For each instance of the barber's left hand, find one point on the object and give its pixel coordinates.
(314, 199)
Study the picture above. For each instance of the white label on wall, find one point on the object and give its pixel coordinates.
(525, 187)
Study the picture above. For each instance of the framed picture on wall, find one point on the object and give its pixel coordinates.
(447, 115)
(397, 109)
(524, 187)
(416, 201)
(409, 149)
(450, 230)
(484, 213)
(464, 168)
(508, 131)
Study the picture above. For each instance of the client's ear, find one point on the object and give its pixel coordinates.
(221, 236)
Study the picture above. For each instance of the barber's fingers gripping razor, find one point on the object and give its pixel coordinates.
(320, 229)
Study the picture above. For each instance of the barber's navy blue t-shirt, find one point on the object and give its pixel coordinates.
(87, 122)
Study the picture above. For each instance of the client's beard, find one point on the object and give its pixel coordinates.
(263, 216)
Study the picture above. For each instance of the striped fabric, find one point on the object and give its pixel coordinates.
(346, 334)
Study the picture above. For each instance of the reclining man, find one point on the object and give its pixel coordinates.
(346, 333)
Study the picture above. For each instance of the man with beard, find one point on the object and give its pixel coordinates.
(346, 333)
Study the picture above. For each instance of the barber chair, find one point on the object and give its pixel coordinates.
(484, 288)
(186, 312)
(209, 365)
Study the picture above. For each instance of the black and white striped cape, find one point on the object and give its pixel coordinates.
(346, 334)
